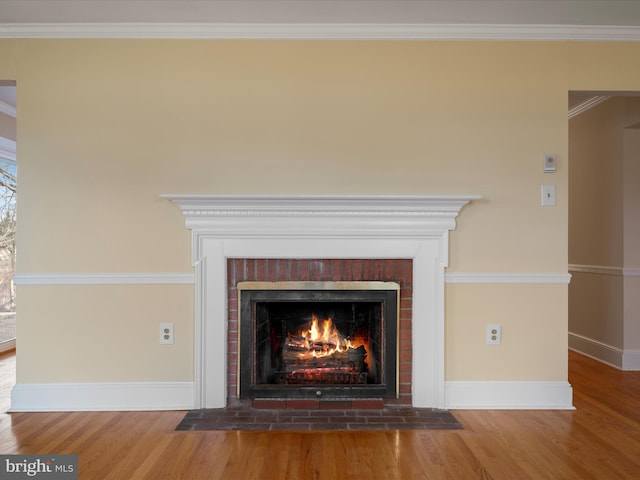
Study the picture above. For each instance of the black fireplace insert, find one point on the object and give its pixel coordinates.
(318, 339)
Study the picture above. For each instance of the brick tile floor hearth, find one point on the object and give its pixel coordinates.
(388, 418)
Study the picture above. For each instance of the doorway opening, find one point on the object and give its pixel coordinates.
(604, 227)
(8, 190)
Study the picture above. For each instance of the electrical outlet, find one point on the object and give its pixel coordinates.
(494, 334)
(166, 334)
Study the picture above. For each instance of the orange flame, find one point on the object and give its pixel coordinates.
(323, 339)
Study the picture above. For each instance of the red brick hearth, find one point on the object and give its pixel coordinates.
(273, 270)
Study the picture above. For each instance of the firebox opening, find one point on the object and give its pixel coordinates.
(306, 343)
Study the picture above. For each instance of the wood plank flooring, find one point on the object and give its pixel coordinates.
(599, 440)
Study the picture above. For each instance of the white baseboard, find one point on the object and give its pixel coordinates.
(181, 396)
(631, 360)
(508, 395)
(54, 397)
(600, 351)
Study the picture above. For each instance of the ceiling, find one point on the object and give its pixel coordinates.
(525, 12)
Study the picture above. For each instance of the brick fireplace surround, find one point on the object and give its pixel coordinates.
(320, 270)
(367, 236)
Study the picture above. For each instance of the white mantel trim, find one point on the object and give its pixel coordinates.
(318, 216)
(319, 205)
(296, 226)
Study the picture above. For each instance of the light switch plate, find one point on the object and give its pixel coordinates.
(548, 195)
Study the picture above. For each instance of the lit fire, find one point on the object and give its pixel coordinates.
(323, 339)
(320, 354)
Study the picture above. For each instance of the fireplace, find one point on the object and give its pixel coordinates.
(318, 339)
(233, 228)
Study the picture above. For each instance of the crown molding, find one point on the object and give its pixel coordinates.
(586, 105)
(321, 31)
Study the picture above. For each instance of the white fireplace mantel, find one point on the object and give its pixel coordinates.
(322, 226)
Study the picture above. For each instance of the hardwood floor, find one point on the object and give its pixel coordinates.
(599, 440)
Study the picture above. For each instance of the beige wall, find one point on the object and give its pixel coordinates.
(532, 318)
(92, 333)
(106, 126)
(631, 194)
(595, 215)
(117, 123)
(631, 209)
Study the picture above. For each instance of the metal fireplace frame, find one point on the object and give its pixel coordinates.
(387, 293)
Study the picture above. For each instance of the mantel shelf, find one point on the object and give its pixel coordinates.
(320, 215)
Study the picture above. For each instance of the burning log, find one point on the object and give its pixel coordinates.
(357, 354)
(352, 355)
(302, 344)
(328, 358)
